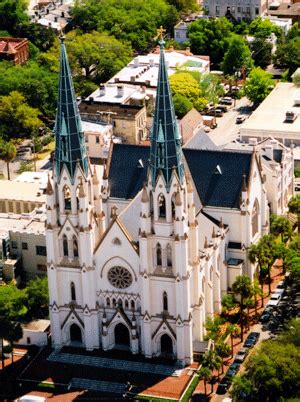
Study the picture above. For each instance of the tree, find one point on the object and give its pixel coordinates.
(185, 85)
(210, 85)
(213, 327)
(17, 119)
(185, 5)
(280, 226)
(232, 330)
(237, 57)
(294, 208)
(205, 375)
(264, 28)
(258, 85)
(242, 288)
(210, 37)
(288, 55)
(37, 298)
(14, 334)
(182, 105)
(256, 291)
(241, 388)
(222, 351)
(261, 52)
(228, 303)
(12, 13)
(296, 81)
(133, 21)
(8, 152)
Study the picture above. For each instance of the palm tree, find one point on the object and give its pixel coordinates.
(294, 208)
(256, 291)
(242, 287)
(233, 330)
(205, 375)
(8, 152)
(281, 226)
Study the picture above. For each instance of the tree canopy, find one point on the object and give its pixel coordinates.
(210, 37)
(134, 21)
(237, 57)
(12, 13)
(258, 85)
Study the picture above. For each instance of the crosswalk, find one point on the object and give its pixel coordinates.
(103, 362)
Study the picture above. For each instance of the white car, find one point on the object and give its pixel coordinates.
(275, 299)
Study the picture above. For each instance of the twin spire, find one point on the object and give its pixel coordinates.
(165, 153)
(70, 147)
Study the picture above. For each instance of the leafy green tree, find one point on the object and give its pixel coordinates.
(296, 81)
(261, 52)
(242, 288)
(262, 28)
(222, 350)
(237, 57)
(185, 85)
(8, 152)
(212, 89)
(258, 85)
(185, 5)
(241, 389)
(210, 37)
(288, 55)
(37, 84)
(256, 291)
(280, 226)
(37, 298)
(42, 37)
(213, 327)
(182, 105)
(133, 21)
(228, 303)
(17, 119)
(294, 208)
(12, 13)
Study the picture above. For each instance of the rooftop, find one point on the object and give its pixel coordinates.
(17, 223)
(270, 115)
(37, 325)
(97, 128)
(116, 94)
(21, 191)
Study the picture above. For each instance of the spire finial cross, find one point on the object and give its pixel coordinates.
(160, 33)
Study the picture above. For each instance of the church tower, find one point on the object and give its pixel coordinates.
(75, 223)
(168, 240)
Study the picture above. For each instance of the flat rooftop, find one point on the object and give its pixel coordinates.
(21, 191)
(17, 223)
(97, 128)
(270, 115)
(37, 325)
(112, 94)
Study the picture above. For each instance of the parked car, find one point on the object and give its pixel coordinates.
(226, 101)
(275, 299)
(241, 355)
(233, 369)
(215, 112)
(223, 108)
(251, 340)
(223, 386)
(240, 119)
(280, 285)
(266, 315)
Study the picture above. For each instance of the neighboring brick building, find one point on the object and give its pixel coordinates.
(14, 49)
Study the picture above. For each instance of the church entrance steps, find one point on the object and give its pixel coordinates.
(101, 386)
(126, 365)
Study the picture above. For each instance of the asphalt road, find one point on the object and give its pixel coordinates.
(227, 129)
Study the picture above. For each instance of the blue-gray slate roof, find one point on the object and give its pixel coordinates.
(217, 175)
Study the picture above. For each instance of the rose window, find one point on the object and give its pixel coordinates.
(119, 277)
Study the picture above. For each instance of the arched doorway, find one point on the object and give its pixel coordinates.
(166, 345)
(75, 333)
(122, 335)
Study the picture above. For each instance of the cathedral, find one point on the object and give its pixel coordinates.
(141, 251)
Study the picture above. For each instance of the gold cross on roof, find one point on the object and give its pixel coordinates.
(160, 32)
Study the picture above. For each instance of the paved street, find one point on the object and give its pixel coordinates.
(227, 129)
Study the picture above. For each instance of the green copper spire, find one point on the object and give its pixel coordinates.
(70, 146)
(166, 152)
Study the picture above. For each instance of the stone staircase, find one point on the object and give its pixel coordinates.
(115, 364)
(99, 386)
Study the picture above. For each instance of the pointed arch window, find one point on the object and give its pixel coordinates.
(161, 206)
(254, 217)
(77, 197)
(126, 304)
(108, 302)
(132, 305)
(120, 304)
(67, 198)
(75, 247)
(165, 301)
(65, 246)
(73, 291)
(173, 205)
(114, 302)
(169, 255)
(158, 255)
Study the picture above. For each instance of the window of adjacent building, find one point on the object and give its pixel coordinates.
(233, 10)
(14, 244)
(2, 206)
(217, 10)
(97, 140)
(239, 9)
(28, 340)
(41, 267)
(41, 250)
(18, 207)
(158, 255)
(24, 246)
(256, 10)
(248, 10)
(10, 206)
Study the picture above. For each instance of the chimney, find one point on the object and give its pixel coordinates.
(120, 91)
(132, 78)
(136, 62)
(253, 141)
(102, 90)
(151, 62)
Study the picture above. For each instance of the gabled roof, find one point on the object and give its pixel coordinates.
(215, 189)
